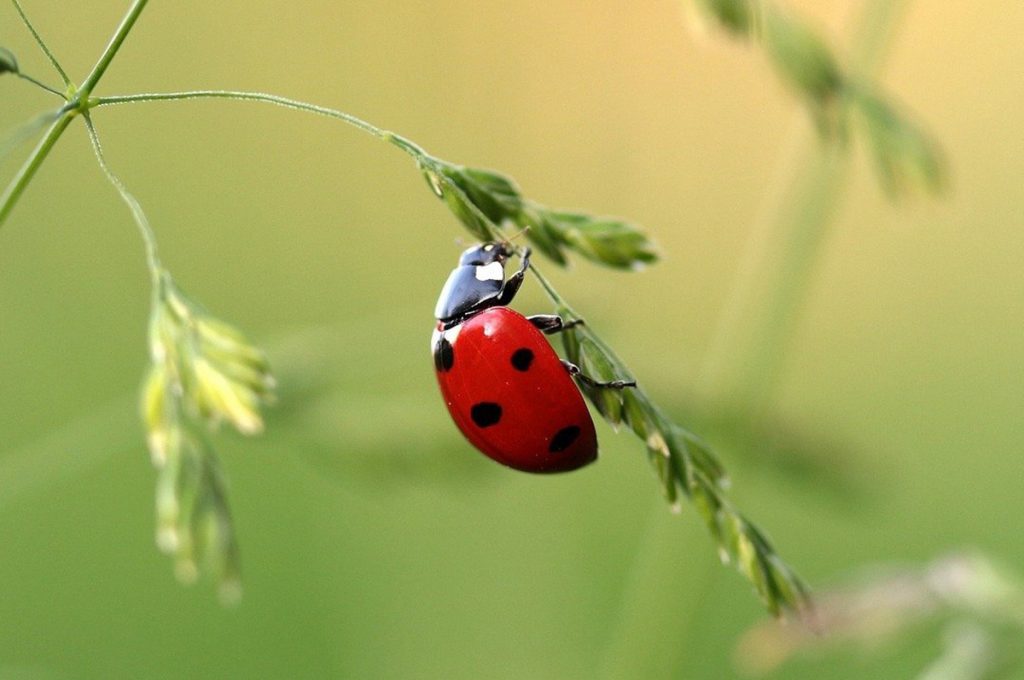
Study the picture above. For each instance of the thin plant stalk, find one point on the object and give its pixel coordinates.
(127, 23)
(40, 84)
(145, 229)
(42, 44)
(402, 143)
(32, 164)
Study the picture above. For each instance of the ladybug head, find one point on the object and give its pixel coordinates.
(485, 253)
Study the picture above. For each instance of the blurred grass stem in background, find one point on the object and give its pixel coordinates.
(749, 349)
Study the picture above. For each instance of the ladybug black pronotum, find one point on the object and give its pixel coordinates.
(506, 389)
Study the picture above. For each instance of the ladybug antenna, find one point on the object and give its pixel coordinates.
(506, 243)
(516, 235)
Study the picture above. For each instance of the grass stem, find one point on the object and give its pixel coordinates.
(148, 237)
(31, 165)
(42, 44)
(112, 48)
(396, 140)
(40, 84)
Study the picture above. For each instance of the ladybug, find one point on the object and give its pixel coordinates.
(505, 387)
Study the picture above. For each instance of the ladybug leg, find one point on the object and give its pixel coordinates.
(587, 380)
(512, 283)
(552, 323)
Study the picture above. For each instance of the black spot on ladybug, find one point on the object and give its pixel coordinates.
(444, 355)
(486, 413)
(522, 358)
(564, 438)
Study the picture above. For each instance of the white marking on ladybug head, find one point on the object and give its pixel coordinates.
(490, 272)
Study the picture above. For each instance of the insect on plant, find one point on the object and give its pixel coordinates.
(204, 373)
(504, 386)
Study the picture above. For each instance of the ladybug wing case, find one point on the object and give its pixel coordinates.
(510, 395)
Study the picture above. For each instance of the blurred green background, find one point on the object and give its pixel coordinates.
(376, 542)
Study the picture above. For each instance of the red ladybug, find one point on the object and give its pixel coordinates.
(506, 389)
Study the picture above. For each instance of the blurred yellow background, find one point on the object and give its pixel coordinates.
(376, 542)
